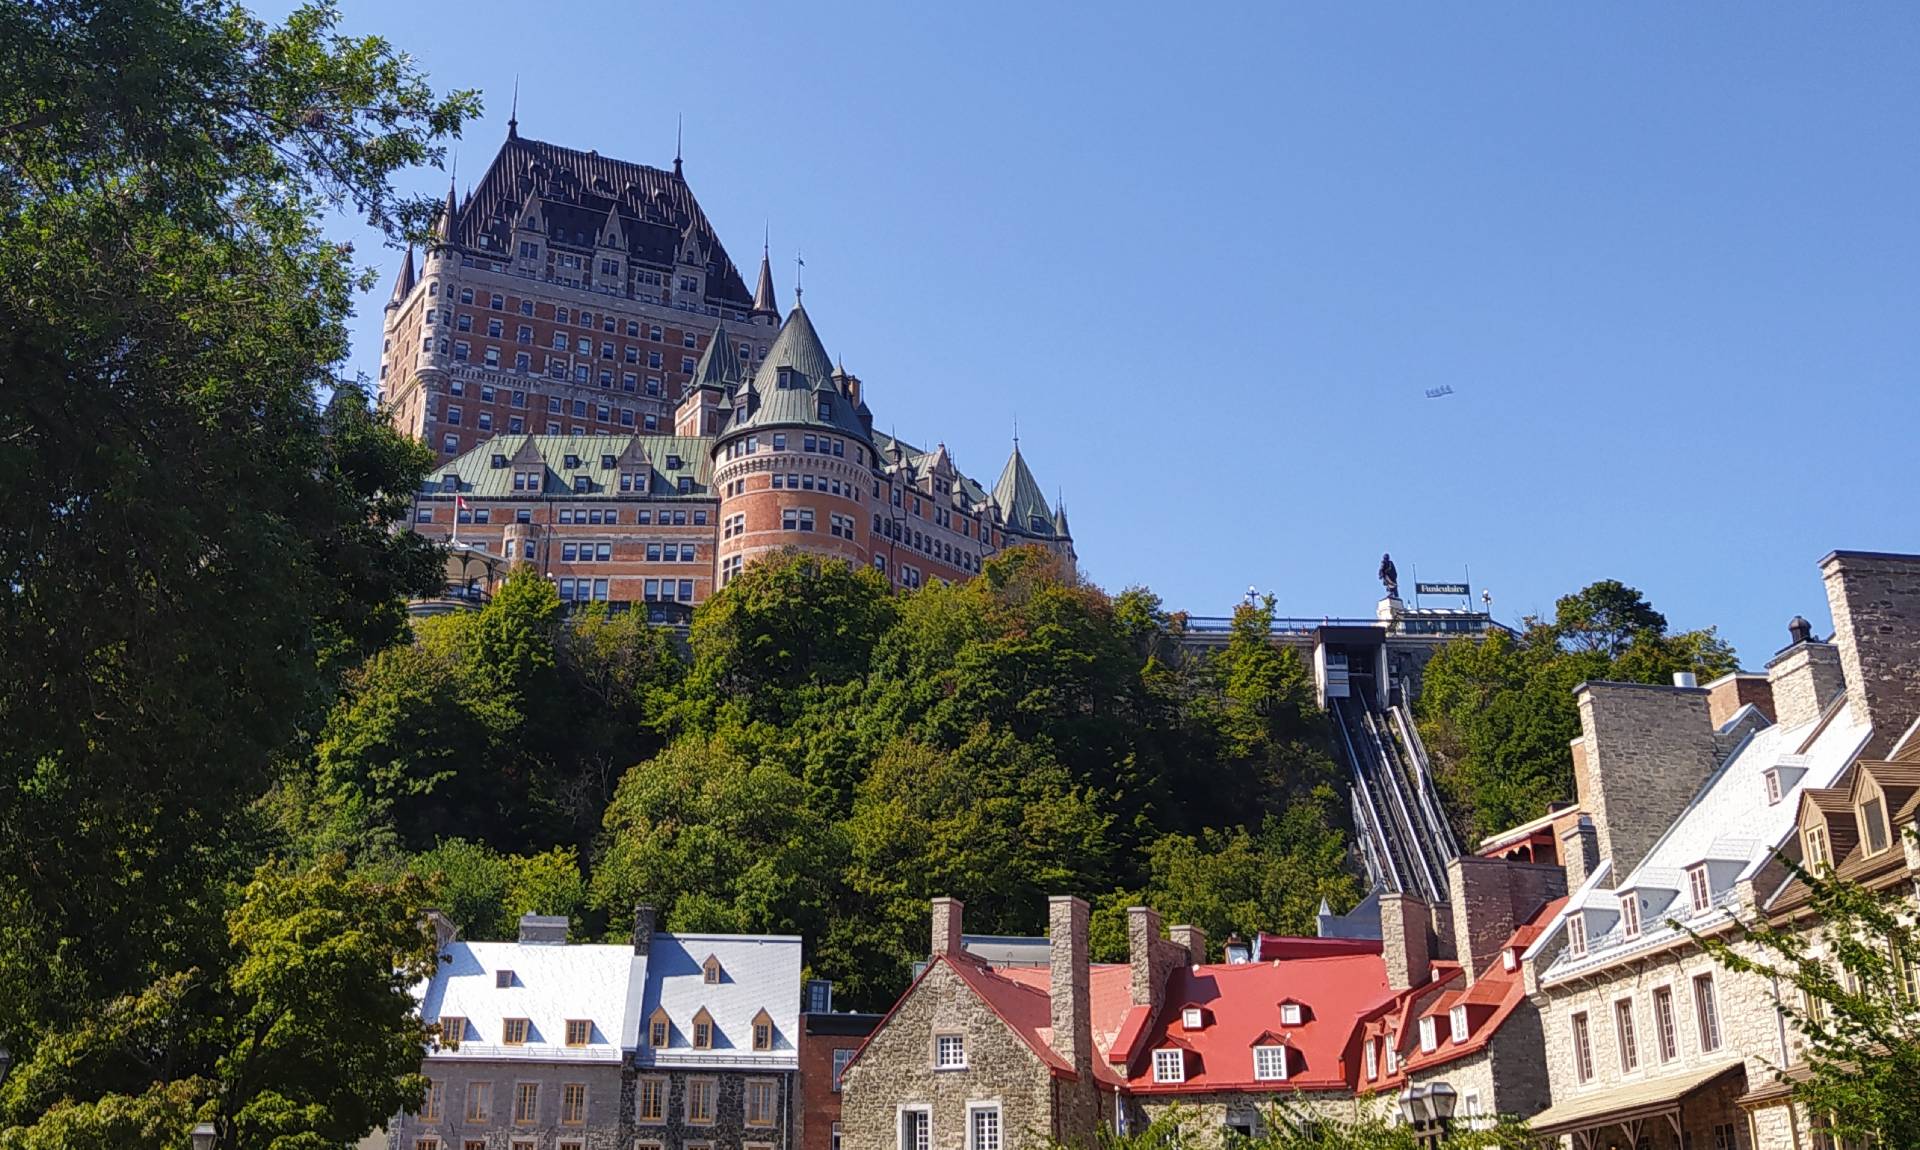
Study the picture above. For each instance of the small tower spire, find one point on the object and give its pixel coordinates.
(763, 301)
(513, 111)
(443, 227)
(679, 130)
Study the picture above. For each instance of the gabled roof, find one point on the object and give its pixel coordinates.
(479, 478)
(656, 209)
(551, 985)
(1023, 509)
(762, 974)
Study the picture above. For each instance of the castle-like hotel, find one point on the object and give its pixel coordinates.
(611, 404)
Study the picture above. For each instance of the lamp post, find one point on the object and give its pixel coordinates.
(205, 1134)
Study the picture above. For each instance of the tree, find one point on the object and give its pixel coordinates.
(304, 1034)
(1849, 987)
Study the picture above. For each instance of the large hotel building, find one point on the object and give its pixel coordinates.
(610, 403)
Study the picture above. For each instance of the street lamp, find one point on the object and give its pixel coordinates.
(1440, 1102)
(204, 1136)
(1413, 1105)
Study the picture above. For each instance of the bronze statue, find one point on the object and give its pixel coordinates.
(1389, 576)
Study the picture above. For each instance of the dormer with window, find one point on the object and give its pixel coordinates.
(1193, 1018)
(710, 972)
(1699, 887)
(1816, 849)
(702, 1030)
(1577, 934)
(762, 1032)
(1457, 1028)
(1510, 959)
(1429, 1034)
(1270, 1060)
(1169, 1064)
(1292, 1012)
(1630, 915)
(659, 1029)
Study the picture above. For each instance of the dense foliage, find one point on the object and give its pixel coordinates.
(825, 757)
(1497, 716)
(1290, 1127)
(197, 539)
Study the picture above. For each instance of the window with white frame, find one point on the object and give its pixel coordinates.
(1170, 1065)
(1191, 1018)
(1289, 1014)
(1373, 1059)
(983, 1127)
(1577, 935)
(1510, 960)
(1699, 886)
(916, 1129)
(949, 1051)
(1429, 1034)
(1270, 1063)
(1630, 915)
(840, 1059)
(1773, 786)
(1393, 1052)
(1457, 1024)
(1819, 854)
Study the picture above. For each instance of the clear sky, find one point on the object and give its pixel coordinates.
(1667, 257)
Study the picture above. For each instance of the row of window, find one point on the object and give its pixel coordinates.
(812, 444)
(569, 516)
(983, 1126)
(1269, 1064)
(513, 1031)
(1706, 1019)
(925, 544)
(806, 481)
(760, 1103)
(526, 1104)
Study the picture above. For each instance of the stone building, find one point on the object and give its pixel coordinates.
(580, 307)
(828, 1040)
(670, 1042)
(1649, 1042)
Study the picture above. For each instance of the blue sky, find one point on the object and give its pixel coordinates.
(1211, 257)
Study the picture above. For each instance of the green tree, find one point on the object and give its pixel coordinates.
(193, 542)
(303, 1034)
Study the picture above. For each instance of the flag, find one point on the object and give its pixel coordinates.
(460, 502)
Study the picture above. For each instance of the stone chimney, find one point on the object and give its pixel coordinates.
(1804, 677)
(444, 930)
(1491, 898)
(1734, 690)
(1648, 749)
(544, 929)
(946, 925)
(1579, 850)
(642, 929)
(1875, 599)
(1152, 959)
(1069, 989)
(1191, 939)
(1405, 926)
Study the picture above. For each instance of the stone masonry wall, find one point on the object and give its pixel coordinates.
(729, 1126)
(600, 1131)
(1803, 679)
(1876, 625)
(1648, 750)
(1208, 1113)
(896, 1071)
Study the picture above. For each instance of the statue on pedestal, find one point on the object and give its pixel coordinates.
(1389, 576)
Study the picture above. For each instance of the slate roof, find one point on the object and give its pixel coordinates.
(551, 984)
(1023, 508)
(478, 476)
(794, 387)
(917, 462)
(719, 364)
(655, 210)
(758, 972)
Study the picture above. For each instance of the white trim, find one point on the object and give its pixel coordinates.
(900, 1113)
(999, 1118)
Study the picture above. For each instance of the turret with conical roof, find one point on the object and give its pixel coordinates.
(1023, 509)
(403, 283)
(794, 386)
(710, 394)
(763, 301)
(443, 223)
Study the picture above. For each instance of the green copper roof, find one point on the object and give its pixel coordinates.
(719, 365)
(794, 386)
(1022, 508)
(487, 471)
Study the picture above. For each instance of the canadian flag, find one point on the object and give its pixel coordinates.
(460, 502)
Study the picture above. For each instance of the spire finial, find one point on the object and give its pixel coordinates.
(798, 263)
(1016, 433)
(513, 112)
(679, 130)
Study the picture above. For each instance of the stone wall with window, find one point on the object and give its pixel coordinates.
(500, 1105)
(1217, 1112)
(895, 1077)
(709, 1109)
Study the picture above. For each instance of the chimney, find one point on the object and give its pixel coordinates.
(642, 929)
(1491, 898)
(1579, 850)
(1069, 990)
(1734, 690)
(1875, 599)
(544, 929)
(1404, 925)
(1804, 677)
(444, 930)
(946, 926)
(1151, 959)
(1685, 679)
(1648, 749)
(1193, 940)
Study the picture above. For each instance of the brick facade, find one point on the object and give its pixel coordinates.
(826, 1041)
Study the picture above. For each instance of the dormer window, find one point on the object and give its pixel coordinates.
(1873, 824)
(659, 1029)
(606, 462)
(1772, 778)
(763, 1031)
(1192, 1018)
(1289, 1014)
(579, 1031)
(710, 971)
(1270, 1063)
(502, 979)
(1170, 1064)
(703, 1030)
(573, 461)
(453, 1028)
(1393, 1052)
(1373, 1059)
(1457, 1024)
(1429, 1034)
(1699, 886)
(1819, 853)
(1577, 935)
(1510, 960)
(1630, 915)
(514, 1031)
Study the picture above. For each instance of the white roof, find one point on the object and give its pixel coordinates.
(1729, 822)
(551, 984)
(757, 972)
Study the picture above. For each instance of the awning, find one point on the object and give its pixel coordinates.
(1628, 1106)
(1776, 1090)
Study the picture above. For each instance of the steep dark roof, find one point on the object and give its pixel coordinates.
(763, 300)
(794, 386)
(656, 209)
(719, 365)
(1022, 508)
(403, 283)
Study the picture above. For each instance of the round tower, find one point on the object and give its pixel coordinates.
(793, 462)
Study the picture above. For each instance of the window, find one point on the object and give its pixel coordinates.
(1429, 1034)
(1724, 1137)
(983, 1128)
(763, 1036)
(652, 1101)
(453, 1029)
(502, 979)
(760, 1102)
(1664, 1028)
(1624, 1037)
(840, 1059)
(1457, 1024)
(1582, 1049)
(1192, 1018)
(949, 1052)
(1373, 1059)
(836, 1137)
(1169, 1065)
(479, 1101)
(513, 1031)
(1706, 1013)
(573, 1103)
(1630, 915)
(710, 972)
(1819, 854)
(1773, 786)
(700, 1093)
(1699, 886)
(1509, 960)
(579, 1031)
(1577, 935)
(1289, 1014)
(1873, 820)
(526, 1101)
(1393, 1052)
(436, 1094)
(916, 1130)
(1270, 1063)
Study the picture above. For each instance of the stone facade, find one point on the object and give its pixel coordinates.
(1648, 749)
(1211, 1115)
(1803, 679)
(457, 1084)
(1875, 600)
(896, 1073)
(1491, 898)
(729, 1129)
